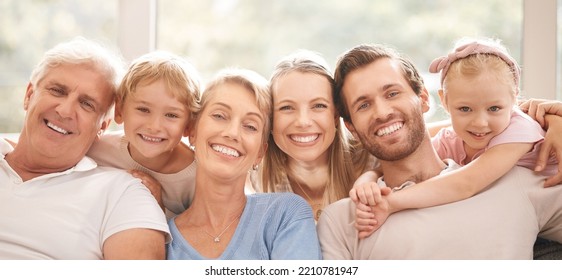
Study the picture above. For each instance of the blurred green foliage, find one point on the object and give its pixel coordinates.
(250, 33)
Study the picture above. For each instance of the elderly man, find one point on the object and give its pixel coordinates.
(56, 203)
(377, 89)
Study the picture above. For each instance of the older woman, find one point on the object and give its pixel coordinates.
(230, 139)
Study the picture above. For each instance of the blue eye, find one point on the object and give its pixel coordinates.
(363, 106)
(494, 109)
(285, 108)
(465, 109)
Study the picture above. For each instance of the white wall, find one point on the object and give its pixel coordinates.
(539, 49)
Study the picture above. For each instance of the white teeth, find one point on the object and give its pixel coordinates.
(151, 139)
(304, 139)
(225, 150)
(56, 128)
(389, 129)
(479, 134)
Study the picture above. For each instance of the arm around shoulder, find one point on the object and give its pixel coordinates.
(461, 183)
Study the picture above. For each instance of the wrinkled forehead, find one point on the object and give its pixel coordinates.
(89, 81)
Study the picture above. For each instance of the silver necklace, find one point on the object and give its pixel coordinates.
(217, 238)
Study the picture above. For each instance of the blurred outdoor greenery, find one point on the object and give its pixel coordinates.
(253, 34)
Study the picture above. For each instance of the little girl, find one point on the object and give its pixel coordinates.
(490, 135)
(156, 102)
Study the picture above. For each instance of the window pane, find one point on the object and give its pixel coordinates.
(29, 28)
(255, 33)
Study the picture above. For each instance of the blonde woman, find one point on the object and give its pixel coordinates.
(230, 139)
(310, 152)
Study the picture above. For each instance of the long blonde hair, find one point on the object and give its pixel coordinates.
(347, 159)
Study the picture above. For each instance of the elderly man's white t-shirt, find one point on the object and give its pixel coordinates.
(69, 215)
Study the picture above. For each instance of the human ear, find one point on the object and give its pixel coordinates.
(424, 97)
(192, 134)
(261, 153)
(118, 112)
(188, 128)
(28, 94)
(104, 125)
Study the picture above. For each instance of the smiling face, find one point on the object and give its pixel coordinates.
(304, 116)
(228, 136)
(386, 114)
(480, 108)
(154, 121)
(65, 111)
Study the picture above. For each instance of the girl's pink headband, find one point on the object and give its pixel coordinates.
(442, 63)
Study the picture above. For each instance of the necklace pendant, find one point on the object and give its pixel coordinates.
(318, 213)
(217, 240)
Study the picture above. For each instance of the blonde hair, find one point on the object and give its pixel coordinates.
(343, 170)
(489, 63)
(180, 77)
(249, 79)
(475, 65)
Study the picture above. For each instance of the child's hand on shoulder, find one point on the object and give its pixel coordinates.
(366, 193)
(371, 208)
(152, 184)
(371, 218)
(365, 189)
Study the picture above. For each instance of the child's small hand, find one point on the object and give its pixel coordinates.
(364, 195)
(367, 193)
(365, 222)
(367, 215)
(152, 184)
(370, 219)
(362, 190)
